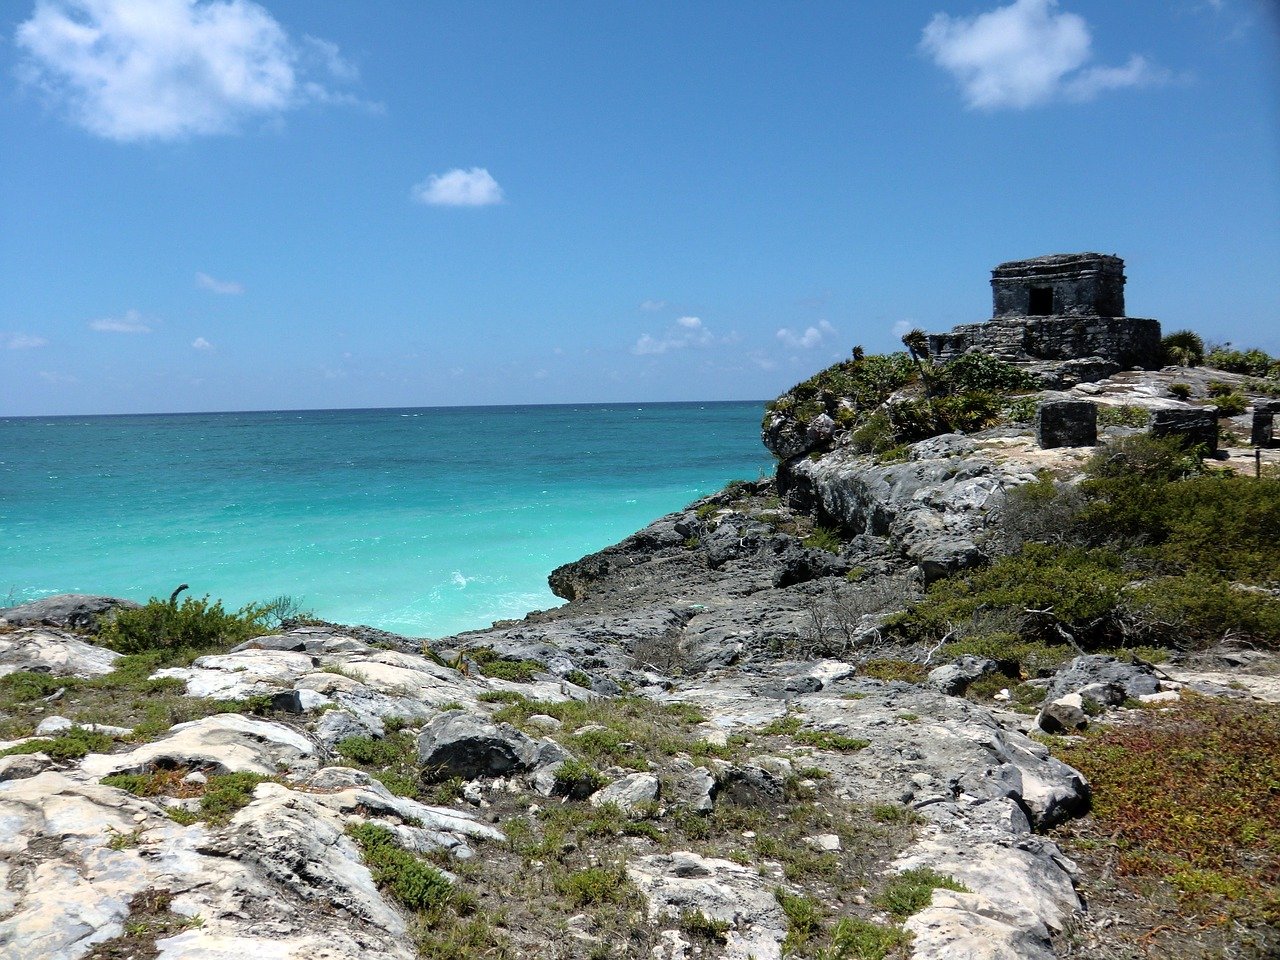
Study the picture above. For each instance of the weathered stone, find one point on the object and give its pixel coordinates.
(23, 765)
(298, 701)
(629, 793)
(1262, 426)
(1136, 679)
(1196, 425)
(973, 927)
(335, 726)
(820, 430)
(75, 611)
(1066, 423)
(680, 883)
(227, 743)
(1064, 715)
(954, 678)
(52, 651)
(750, 786)
(459, 744)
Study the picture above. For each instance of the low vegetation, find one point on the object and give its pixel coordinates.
(1151, 549)
(1186, 806)
(193, 624)
(221, 795)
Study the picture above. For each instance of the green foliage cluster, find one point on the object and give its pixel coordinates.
(1190, 797)
(1180, 390)
(392, 760)
(413, 883)
(1150, 549)
(823, 538)
(696, 925)
(493, 664)
(193, 624)
(71, 745)
(964, 394)
(1123, 415)
(910, 891)
(1253, 362)
(1182, 348)
(853, 938)
(577, 779)
(890, 669)
(596, 885)
(804, 919)
(220, 796)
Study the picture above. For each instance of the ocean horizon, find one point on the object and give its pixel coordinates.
(421, 520)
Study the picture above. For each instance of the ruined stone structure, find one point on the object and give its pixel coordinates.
(1197, 425)
(1262, 426)
(1066, 423)
(1058, 308)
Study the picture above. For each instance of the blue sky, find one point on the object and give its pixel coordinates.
(230, 205)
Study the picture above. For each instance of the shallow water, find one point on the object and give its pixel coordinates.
(421, 521)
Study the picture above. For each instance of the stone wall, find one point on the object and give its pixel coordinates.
(1071, 285)
(1126, 341)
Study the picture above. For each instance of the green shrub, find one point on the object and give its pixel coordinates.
(71, 745)
(1180, 390)
(1182, 348)
(696, 925)
(823, 538)
(804, 919)
(1253, 362)
(595, 885)
(853, 938)
(578, 779)
(492, 664)
(1110, 415)
(23, 686)
(888, 670)
(910, 891)
(1196, 610)
(981, 371)
(413, 883)
(167, 625)
(1232, 404)
(825, 740)
(225, 793)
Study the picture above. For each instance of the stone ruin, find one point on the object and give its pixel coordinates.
(1064, 309)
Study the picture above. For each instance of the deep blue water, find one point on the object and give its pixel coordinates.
(422, 521)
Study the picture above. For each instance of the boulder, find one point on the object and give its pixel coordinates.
(74, 611)
(1136, 679)
(629, 793)
(52, 651)
(1064, 715)
(954, 678)
(455, 743)
(1196, 425)
(335, 726)
(971, 926)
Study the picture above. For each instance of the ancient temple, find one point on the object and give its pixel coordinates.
(1056, 308)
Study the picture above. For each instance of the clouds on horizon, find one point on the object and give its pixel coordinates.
(136, 70)
(200, 343)
(131, 322)
(1027, 54)
(685, 332)
(459, 188)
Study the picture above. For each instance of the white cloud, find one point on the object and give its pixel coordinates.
(902, 328)
(23, 341)
(459, 188)
(685, 332)
(131, 322)
(809, 338)
(1026, 54)
(54, 377)
(200, 343)
(228, 287)
(132, 70)
(652, 305)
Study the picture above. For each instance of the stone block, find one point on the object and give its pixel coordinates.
(1066, 423)
(1197, 425)
(1262, 429)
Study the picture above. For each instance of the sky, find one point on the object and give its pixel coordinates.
(288, 204)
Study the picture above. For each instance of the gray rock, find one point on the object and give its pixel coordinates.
(750, 786)
(1064, 715)
(697, 788)
(954, 678)
(335, 726)
(298, 701)
(22, 765)
(459, 744)
(44, 650)
(1136, 679)
(630, 792)
(74, 611)
(820, 430)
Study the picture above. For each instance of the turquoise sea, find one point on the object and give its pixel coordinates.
(421, 521)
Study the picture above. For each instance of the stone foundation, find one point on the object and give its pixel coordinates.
(1198, 425)
(1123, 341)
